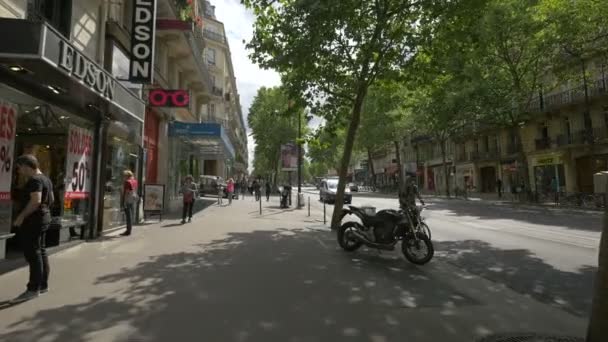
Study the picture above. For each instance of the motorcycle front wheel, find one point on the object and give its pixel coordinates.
(417, 251)
(346, 239)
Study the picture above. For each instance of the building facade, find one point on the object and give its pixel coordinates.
(67, 96)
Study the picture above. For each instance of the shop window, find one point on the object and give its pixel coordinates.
(58, 13)
(120, 68)
(42, 130)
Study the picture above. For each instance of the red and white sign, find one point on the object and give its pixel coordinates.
(78, 163)
(8, 120)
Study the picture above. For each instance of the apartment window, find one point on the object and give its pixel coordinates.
(567, 127)
(58, 13)
(544, 131)
(212, 109)
(211, 56)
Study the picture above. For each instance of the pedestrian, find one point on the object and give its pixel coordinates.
(256, 190)
(499, 186)
(268, 190)
(129, 199)
(237, 188)
(244, 187)
(220, 192)
(230, 190)
(555, 190)
(189, 195)
(32, 222)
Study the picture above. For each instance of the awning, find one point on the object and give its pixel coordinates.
(208, 140)
(38, 58)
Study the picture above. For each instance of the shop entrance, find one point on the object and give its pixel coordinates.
(42, 130)
(488, 179)
(210, 167)
(586, 167)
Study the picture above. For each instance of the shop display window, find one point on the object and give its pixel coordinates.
(122, 154)
(42, 130)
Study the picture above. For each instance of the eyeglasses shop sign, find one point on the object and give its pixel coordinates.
(142, 41)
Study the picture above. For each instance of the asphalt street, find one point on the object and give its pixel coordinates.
(234, 274)
(548, 254)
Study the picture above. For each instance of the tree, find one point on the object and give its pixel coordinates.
(383, 121)
(579, 30)
(509, 52)
(273, 123)
(331, 52)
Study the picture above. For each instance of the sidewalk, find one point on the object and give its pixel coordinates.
(233, 275)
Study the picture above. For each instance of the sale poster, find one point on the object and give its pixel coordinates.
(78, 163)
(8, 120)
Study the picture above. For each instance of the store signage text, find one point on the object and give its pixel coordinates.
(78, 163)
(8, 115)
(142, 41)
(548, 160)
(81, 68)
(169, 98)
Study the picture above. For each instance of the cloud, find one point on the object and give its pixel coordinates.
(238, 23)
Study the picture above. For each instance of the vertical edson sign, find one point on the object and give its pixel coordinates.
(78, 163)
(141, 68)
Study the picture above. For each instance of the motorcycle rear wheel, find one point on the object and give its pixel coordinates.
(346, 240)
(412, 247)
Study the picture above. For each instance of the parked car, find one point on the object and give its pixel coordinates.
(208, 186)
(353, 187)
(328, 190)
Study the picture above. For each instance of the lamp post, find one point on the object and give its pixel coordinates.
(308, 118)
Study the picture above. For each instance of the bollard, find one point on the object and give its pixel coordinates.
(260, 206)
(324, 216)
(308, 206)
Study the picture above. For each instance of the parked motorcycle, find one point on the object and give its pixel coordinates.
(383, 230)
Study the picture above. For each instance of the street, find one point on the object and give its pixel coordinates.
(549, 254)
(235, 275)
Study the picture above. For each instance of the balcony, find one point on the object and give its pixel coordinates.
(462, 156)
(214, 36)
(542, 144)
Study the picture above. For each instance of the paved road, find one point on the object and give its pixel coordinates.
(548, 254)
(235, 275)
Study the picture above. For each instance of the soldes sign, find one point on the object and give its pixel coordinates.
(142, 41)
(169, 98)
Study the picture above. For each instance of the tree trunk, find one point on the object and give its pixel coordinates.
(598, 329)
(371, 166)
(398, 158)
(445, 167)
(348, 149)
(524, 161)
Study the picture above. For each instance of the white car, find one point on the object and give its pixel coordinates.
(328, 190)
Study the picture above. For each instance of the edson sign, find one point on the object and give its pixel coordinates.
(80, 67)
(142, 41)
(169, 98)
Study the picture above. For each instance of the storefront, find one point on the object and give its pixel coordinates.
(510, 175)
(465, 177)
(549, 173)
(191, 143)
(66, 107)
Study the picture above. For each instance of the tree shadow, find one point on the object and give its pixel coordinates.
(523, 272)
(261, 286)
(542, 216)
(200, 205)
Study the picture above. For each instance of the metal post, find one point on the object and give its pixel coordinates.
(299, 157)
(260, 206)
(308, 205)
(324, 214)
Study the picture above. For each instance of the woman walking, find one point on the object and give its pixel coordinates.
(188, 194)
(129, 199)
(230, 190)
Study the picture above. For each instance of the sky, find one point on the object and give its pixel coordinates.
(238, 23)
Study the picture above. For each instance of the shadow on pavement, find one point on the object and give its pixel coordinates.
(200, 205)
(541, 216)
(263, 286)
(524, 273)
